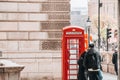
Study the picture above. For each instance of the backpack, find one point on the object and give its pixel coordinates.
(93, 60)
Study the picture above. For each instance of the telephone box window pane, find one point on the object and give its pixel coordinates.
(73, 61)
(73, 57)
(73, 51)
(72, 77)
(73, 71)
(74, 41)
(75, 46)
(73, 67)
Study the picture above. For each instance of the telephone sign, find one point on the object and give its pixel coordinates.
(75, 33)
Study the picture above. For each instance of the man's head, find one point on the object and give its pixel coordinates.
(91, 45)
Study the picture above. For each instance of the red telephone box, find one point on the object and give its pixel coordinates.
(73, 45)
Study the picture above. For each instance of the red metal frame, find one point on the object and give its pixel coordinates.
(76, 36)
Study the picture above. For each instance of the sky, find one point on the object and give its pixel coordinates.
(78, 3)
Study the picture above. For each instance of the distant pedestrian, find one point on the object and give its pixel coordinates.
(115, 61)
(81, 71)
(92, 62)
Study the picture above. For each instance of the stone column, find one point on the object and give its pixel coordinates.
(10, 70)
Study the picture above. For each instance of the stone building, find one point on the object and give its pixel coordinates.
(30, 34)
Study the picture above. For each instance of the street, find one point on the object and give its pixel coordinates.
(108, 76)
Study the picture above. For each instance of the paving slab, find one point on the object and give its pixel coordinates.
(108, 76)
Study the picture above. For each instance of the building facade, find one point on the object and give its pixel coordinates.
(30, 34)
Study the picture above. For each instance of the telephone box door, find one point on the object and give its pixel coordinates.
(73, 47)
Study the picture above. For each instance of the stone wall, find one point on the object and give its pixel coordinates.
(30, 34)
(107, 64)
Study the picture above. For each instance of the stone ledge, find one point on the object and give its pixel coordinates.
(10, 69)
(9, 66)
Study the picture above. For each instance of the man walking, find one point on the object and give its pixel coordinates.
(92, 62)
(81, 71)
(114, 61)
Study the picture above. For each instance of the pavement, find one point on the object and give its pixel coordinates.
(108, 76)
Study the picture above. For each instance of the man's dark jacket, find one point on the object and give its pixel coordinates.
(87, 64)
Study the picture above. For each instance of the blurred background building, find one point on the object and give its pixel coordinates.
(79, 12)
(79, 16)
(108, 18)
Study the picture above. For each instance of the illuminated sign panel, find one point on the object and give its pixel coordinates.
(68, 33)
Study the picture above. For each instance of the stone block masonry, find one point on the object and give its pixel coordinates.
(30, 34)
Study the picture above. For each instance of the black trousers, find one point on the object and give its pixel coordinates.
(93, 75)
(116, 68)
(81, 76)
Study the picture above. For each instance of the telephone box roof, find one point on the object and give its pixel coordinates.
(73, 27)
